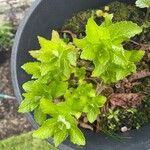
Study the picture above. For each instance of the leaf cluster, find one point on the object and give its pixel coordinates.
(103, 46)
(57, 106)
(56, 61)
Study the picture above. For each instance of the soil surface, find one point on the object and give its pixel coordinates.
(11, 122)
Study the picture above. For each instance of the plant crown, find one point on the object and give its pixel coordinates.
(56, 104)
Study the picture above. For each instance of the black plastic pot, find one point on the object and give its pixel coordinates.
(44, 16)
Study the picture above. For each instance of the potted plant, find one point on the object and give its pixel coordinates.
(89, 74)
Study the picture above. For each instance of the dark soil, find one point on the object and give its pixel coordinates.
(11, 122)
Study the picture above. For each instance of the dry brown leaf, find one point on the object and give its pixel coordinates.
(139, 75)
(125, 100)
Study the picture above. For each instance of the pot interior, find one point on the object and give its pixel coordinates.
(43, 17)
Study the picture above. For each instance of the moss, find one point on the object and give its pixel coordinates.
(77, 23)
(120, 10)
(132, 118)
(128, 12)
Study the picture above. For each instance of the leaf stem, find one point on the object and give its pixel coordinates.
(134, 42)
(147, 14)
(146, 19)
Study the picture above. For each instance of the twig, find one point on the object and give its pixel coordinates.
(70, 32)
(142, 46)
(146, 18)
(134, 42)
(92, 79)
(147, 14)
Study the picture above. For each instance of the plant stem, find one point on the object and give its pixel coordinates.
(134, 42)
(146, 19)
(147, 14)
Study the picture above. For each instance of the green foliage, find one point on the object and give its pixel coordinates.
(39, 116)
(103, 46)
(61, 125)
(113, 114)
(56, 61)
(5, 36)
(143, 3)
(56, 103)
(126, 12)
(80, 101)
(55, 64)
(146, 25)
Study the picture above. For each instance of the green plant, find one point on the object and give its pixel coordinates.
(145, 4)
(103, 46)
(5, 36)
(113, 115)
(51, 73)
(60, 90)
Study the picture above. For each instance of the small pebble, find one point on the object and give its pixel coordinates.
(124, 129)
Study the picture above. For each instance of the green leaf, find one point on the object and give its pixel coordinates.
(77, 99)
(46, 130)
(27, 86)
(56, 61)
(80, 101)
(80, 73)
(39, 116)
(76, 136)
(59, 128)
(93, 29)
(28, 104)
(92, 109)
(60, 136)
(35, 90)
(134, 55)
(32, 68)
(48, 107)
(58, 88)
(92, 114)
(122, 31)
(146, 24)
(143, 3)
